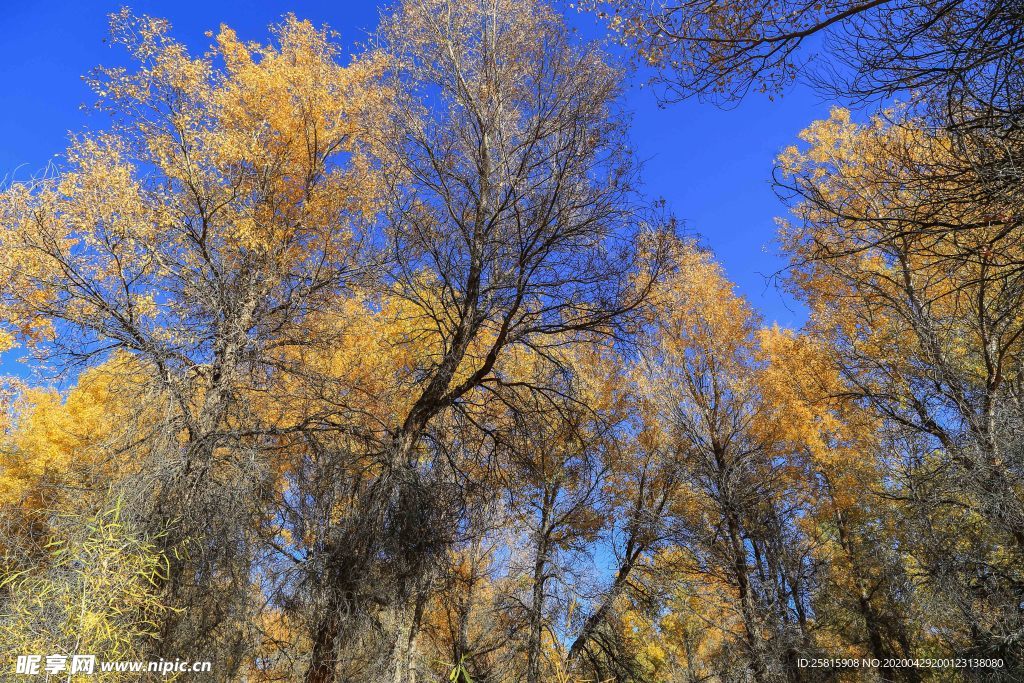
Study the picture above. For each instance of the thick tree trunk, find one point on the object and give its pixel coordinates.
(408, 631)
(323, 659)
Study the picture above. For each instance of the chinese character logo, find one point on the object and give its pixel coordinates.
(28, 664)
(83, 664)
(56, 663)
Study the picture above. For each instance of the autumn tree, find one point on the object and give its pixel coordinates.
(510, 224)
(382, 368)
(556, 471)
(216, 213)
(865, 603)
(99, 592)
(464, 629)
(958, 64)
(925, 329)
(637, 497)
(743, 489)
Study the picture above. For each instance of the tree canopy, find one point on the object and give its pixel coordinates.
(383, 366)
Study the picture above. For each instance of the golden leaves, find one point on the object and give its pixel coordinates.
(254, 159)
(895, 229)
(97, 593)
(64, 441)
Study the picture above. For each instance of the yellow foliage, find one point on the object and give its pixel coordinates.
(97, 593)
(57, 443)
(262, 166)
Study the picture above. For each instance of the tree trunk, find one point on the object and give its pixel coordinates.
(595, 620)
(323, 659)
(747, 609)
(408, 630)
(876, 642)
(535, 642)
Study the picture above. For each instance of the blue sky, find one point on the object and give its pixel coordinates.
(712, 166)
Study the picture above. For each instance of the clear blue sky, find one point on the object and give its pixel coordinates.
(713, 166)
